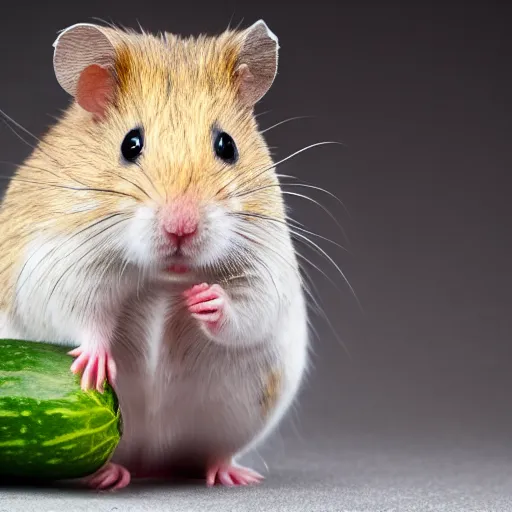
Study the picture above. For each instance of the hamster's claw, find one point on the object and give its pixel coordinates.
(229, 475)
(96, 366)
(112, 477)
(207, 303)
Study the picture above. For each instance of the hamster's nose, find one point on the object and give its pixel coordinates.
(177, 238)
(180, 222)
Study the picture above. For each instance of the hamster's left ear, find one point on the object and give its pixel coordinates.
(257, 62)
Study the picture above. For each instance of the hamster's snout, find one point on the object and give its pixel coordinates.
(185, 230)
(180, 221)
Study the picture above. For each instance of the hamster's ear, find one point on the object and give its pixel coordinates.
(84, 63)
(257, 62)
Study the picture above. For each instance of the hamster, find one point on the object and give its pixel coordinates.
(147, 232)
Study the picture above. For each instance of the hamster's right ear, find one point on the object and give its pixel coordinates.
(84, 64)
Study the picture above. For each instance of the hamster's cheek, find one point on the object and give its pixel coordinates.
(139, 238)
(217, 241)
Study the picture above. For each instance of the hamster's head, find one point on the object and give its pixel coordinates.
(172, 145)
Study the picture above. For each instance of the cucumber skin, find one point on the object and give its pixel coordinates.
(49, 428)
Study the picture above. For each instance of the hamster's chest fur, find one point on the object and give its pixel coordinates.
(184, 398)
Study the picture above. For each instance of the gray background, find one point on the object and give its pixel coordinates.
(417, 414)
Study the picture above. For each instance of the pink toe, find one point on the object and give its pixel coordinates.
(89, 374)
(101, 373)
(94, 480)
(111, 477)
(232, 476)
(206, 307)
(210, 477)
(124, 479)
(79, 363)
(249, 480)
(237, 479)
(207, 295)
(196, 289)
(112, 370)
(225, 479)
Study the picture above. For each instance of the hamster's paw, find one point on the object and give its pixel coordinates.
(230, 475)
(96, 366)
(207, 303)
(111, 477)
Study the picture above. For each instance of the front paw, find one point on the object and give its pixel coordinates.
(96, 365)
(207, 303)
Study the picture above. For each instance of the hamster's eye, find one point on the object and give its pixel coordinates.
(132, 145)
(225, 148)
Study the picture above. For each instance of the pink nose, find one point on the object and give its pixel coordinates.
(177, 237)
(180, 221)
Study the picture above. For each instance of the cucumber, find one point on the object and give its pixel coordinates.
(49, 428)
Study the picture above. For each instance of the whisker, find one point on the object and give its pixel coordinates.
(320, 205)
(281, 185)
(326, 255)
(284, 223)
(286, 176)
(131, 183)
(320, 189)
(262, 114)
(292, 231)
(275, 164)
(17, 134)
(312, 244)
(7, 119)
(284, 122)
(302, 150)
(316, 303)
(105, 267)
(289, 157)
(316, 267)
(36, 168)
(151, 182)
(319, 309)
(54, 249)
(255, 257)
(262, 243)
(53, 185)
(68, 269)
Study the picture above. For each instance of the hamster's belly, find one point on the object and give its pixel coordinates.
(180, 423)
(185, 400)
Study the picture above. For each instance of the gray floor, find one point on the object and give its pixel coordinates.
(309, 472)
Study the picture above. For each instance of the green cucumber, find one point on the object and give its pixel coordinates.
(49, 428)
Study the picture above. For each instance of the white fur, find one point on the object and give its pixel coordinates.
(79, 306)
(140, 246)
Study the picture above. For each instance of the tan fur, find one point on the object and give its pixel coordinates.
(271, 392)
(176, 89)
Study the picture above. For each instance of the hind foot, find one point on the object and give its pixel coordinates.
(111, 477)
(230, 475)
